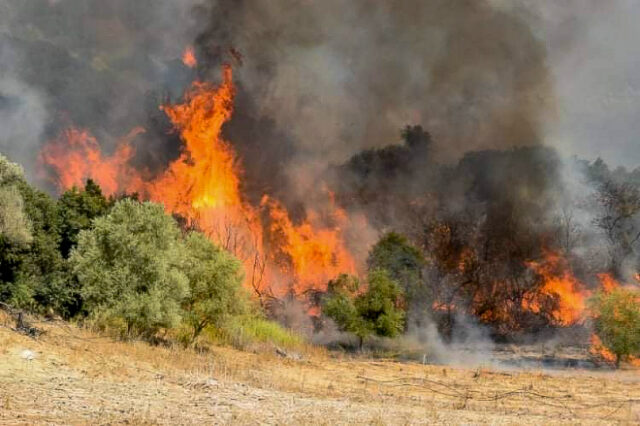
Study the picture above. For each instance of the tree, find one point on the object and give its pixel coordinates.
(14, 224)
(215, 280)
(130, 264)
(76, 209)
(617, 321)
(32, 272)
(404, 262)
(375, 311)
(617, 198)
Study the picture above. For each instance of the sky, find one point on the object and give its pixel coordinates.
(594, 58)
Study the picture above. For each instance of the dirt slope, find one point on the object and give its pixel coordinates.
(76, 377)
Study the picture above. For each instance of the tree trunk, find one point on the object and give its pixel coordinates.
(360, 343)
(618, 361)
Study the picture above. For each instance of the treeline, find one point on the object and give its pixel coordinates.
(480, 223)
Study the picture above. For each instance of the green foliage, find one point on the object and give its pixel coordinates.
(404, 262)
(32, 271)
(215, 281)
(76, 209)
(14, 224)
(246, 330)
(375, 311)
(131, 265)
(617, 321)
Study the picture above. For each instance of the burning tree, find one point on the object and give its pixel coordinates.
(617, 321)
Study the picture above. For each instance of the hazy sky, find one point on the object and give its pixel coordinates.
(594, 55)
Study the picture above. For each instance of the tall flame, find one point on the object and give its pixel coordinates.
(203, 185)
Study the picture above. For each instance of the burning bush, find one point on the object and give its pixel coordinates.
(617, 321)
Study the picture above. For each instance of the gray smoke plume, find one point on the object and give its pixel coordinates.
(104, 66)
(319, 81)
(341, 76)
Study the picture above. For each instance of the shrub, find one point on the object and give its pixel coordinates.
(76, 210)
(130, 265)
(617, 321)
(215, 282)
(246, 330)
(404, 262)
(374, 311)
(32, 271)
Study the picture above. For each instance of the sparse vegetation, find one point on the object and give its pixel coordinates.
(246, 331)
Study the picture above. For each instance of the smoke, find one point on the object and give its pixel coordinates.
(342, 76)
(104, 66)
(593, 55)
(23, 112)
(318, 82)
(470, 343)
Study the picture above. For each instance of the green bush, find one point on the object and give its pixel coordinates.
(617, 321)
(246, 330)
(215, 282)
(32, 271)
(404, 262)
(131, 267)
(375, 311)
(76, 210)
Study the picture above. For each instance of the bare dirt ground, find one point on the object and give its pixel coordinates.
(77, 377)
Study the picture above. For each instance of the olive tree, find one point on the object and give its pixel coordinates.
(131, 268)
(376, 310)
(215, 282)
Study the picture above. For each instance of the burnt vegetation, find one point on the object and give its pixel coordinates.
(479, 223)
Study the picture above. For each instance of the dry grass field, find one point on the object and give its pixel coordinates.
(77, 377)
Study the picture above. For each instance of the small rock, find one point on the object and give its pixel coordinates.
(28, 355)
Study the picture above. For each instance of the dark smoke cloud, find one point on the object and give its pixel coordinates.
(102, 65)
(319, 81)
(341, 76)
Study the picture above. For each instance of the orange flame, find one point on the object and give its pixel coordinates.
(189, 57)
(205, 176)
(560, 283)
(314, 254)
(204, 186)
(607, 282)
(75, 155)
(597, 349)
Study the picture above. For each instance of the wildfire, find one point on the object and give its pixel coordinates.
(597, 349)
(189, 57)
(561, 284)
(75, 155)
(315, 254)
(205, 175)
(204, 186)
(607, 282)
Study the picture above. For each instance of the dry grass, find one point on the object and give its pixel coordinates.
(79, 377)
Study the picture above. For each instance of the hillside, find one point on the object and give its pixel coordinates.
(79, 377)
